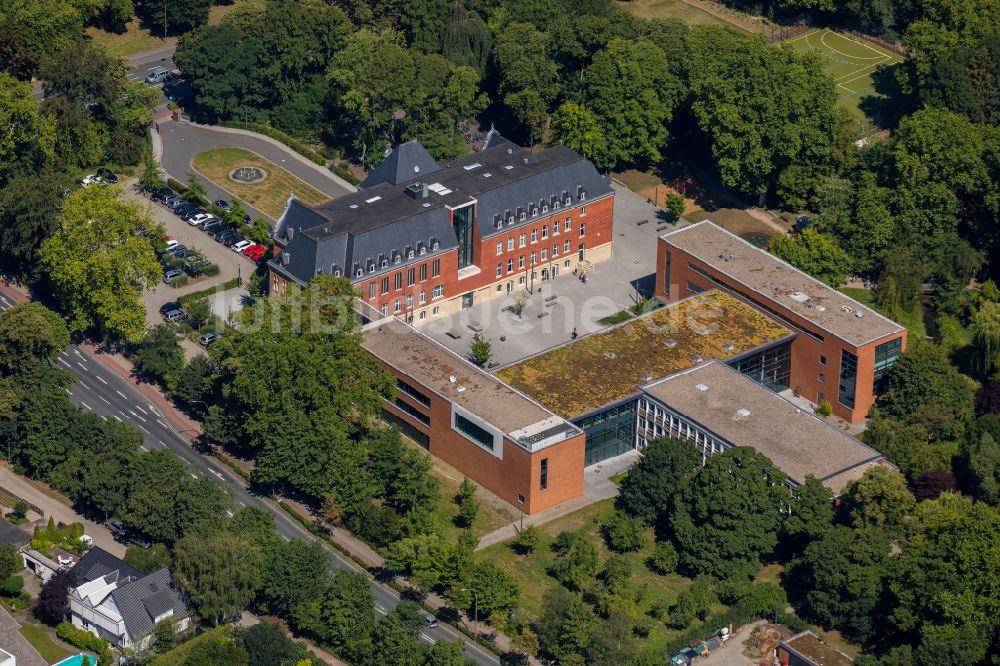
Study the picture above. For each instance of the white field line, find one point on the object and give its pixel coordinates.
(802, 36)
(822, 40)
(859, 70)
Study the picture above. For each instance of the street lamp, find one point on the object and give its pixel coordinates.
(475, 607)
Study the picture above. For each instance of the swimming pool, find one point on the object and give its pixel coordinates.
(77, 660)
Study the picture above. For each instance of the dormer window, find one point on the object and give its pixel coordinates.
(435, 246)
(337, 272)
(423, 250)
(359, 272)
(396, 259)
(524, 216)
(385, 262)
(410, 254)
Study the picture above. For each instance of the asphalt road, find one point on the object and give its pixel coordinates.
(103, 392)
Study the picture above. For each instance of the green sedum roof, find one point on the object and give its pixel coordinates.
(592, 371)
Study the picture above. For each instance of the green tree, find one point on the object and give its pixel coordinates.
(810, 514)
(175, 17)
(924, 387)
(480, 350)
(880, 498)
(199, 311)
(575, 563)
(674, 204)
(97, 263)
(269, 645)
(577, 128)
(343, 615)
(29, 213)
(219, 572)
(648, 489)
(728, 513)
(33, 30)
(30, 332)
(152, 491)
(693, 603)
(160, 356)
(624, 533)
(10, 560)
(763, 109)
(195, 192)
(842, 574)
(907, 445)
(633, 96)
(527, 540)
(221, 649)
(986, 337)
(528, 76)
(664, 559)
(151, 179)
(164, 634)
(981, 451)
(611, 642)
(148, 560)
(565, 625)
(497, 590)
(29, 137)
(815, 253)
(193, 381)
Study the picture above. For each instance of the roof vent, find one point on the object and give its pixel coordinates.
(460, 389)
(509, 167)
(470, 167)
(859, 314)
(416, 168)
(353, 206)
(847, 309)
(728, 345)
(510, 151)
(487, 174)
(452, 379)
(372, 200)
(697, 358)
(701, 387)
(821, 308)
(646, 377)
(704, 330)
(670, 342)
(743, 411)
(799, 297)
(524, 161)
(610, 354)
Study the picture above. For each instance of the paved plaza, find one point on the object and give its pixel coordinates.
(565, 303)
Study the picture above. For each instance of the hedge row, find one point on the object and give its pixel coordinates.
(225, 286)
(85, 641)
(345, 173)
(278, 135)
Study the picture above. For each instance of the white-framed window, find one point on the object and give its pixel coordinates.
(520, 261)
(555, 228)
(435, 310)
(499, 288)
(438, 291)
(520, 280)
(567, 247)
(545, 231)
(523, 240)
(555, 250)
(384, 309)
(533, 257)
(583, 211)
(510, 243)
(409, 302)
(545, 253)
(534, 235)
(423, 314)
(395, 305)
(423, 296)
(510, 265)
(569, 224)
(499, 270)
(372, 290)
(583, 230)
(499, 248)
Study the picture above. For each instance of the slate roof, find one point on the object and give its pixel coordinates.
(392, 215)
(141, 601)
(493, 139)
(10, 533)
(98, 562)
(404, 162)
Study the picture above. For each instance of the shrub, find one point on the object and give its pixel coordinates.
(177, 186)
(179, 281)
(280, 136)
(85, 641)
(624, 533)
(527, 540)
(344, 173)
(825, 408)
(664, 558)
(211, 270)
(12, 586)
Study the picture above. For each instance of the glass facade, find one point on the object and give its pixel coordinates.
(848, 378)
(610, 432)
(477, 434)
(770, 367)
(462, 220)
(886, 354)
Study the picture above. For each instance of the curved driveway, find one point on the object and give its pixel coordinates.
(182, 141)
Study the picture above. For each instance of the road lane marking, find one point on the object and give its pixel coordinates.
(141, 428)
(427, 638)
(152, 409)
(142, 410)
(85, 405)
(121, 394)
(83, 384)
(81, 365)
(65, 363)
(77, 352)
(136, 416)
(193, 475)
(217, 474)
(100, 379)
(380, 609)
(162, 423)
(106, 401)
(68, 392)
(160, 441)
(185, 461)
(143, 448)
(62, 353)
(117, 419)
(242, 503)
(285, 538)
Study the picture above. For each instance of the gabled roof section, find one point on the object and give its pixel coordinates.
(98, 562)
(493, 139)
(297, 216)
(142, 601)
(10, 533)
(404, 162)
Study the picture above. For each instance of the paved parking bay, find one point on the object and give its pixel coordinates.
(231, 264)
(613, 285)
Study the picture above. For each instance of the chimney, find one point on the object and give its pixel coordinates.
(524, 161)
(423, 191)
(285, 258)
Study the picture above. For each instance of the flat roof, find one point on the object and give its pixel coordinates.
(808, 645)
(590, 372)
(798, 442)
(444, 372)
(814, 301)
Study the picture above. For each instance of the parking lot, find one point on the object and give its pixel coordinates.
(231, 264)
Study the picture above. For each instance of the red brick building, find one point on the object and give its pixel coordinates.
(842, 349)
(497, 436)
(421, 239)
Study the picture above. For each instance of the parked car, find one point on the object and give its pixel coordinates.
(802, 222)
(170, 275)
(212, 226)
(171, 244)
(208, 339)
(161, 194)
(182, 253)
(175, 249)
(158, 75)
(180, 314)
(430, 621)
(200, 219)
(256, 253)
(239, 246)
(184, 211)
(232, 240)
(223, 204)
(177, 202)
(169, 306)
(107, 175)
(171, 201)
(90, 180)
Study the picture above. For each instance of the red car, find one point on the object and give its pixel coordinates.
(255, 252)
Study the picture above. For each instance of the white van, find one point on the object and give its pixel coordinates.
(158, 75)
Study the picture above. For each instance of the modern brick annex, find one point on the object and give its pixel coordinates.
(843, 348)
(422, 239)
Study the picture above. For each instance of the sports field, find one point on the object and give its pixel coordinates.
(851, 63)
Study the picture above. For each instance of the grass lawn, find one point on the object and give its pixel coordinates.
(913, 322)
(43, 642)
(269, 195)
(133, 40)
(619, 477)
(852, 64)
(649, 9)
(532, 570)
